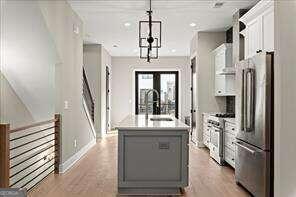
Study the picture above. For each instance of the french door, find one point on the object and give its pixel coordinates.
(166, 84)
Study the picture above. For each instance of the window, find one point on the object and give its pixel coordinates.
(166, 83)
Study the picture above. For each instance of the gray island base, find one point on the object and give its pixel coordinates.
(152, 156)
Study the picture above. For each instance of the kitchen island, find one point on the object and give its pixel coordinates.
(152, 155)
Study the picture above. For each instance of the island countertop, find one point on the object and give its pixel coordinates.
(138, 122)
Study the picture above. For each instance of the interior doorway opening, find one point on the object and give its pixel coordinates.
(166, 83)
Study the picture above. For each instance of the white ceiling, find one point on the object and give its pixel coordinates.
(104, 22)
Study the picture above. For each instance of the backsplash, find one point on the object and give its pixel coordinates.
(230, 104)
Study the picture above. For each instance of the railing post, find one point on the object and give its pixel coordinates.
(4, 155)
(57, 142)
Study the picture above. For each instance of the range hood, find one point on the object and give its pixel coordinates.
(228, 71)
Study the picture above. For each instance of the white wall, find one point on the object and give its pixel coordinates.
(202, 46)
(62, 21)
(123, 83)
(285, 98)
(12, 109)
(95, 60)
(28, 57)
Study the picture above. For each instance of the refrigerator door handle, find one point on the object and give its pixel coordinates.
(244, 147)
(249, 113)
(243, 100)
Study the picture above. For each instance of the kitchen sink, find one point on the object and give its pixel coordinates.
(161, 119)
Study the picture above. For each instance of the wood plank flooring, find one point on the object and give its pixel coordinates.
(95, 175)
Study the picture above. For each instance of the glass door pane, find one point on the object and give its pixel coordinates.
(145, 83)
(168, 94)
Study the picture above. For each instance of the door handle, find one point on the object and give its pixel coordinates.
(244, 147)
(243, 100)
(250, 99)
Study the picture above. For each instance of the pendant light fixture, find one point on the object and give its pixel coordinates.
(149, 37)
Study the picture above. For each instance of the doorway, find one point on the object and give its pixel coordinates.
(193, 99)
(166, 83)
(107, 99)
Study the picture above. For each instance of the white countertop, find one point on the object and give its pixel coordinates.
(231, 120)
(138, 122)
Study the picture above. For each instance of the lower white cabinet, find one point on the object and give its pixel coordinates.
(206, 131)
(229, 156)
(229, 143)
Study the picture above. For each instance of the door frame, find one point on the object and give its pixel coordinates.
(193, 112)
(164, 71)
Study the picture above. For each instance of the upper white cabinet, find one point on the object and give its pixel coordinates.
(259, 32)
(224, 71)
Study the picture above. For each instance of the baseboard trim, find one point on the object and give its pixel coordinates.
(73, 159)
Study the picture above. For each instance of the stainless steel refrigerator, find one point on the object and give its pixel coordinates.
(254, 117)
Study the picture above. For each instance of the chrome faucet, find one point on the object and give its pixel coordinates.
(146, 101)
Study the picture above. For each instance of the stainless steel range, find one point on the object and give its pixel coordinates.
(216, 123)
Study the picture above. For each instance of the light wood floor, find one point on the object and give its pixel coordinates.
(95, 175)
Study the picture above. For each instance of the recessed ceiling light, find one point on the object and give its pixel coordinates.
(192, 24)
(115, 46)
(127, 24)
(218, 4)
(173, 50)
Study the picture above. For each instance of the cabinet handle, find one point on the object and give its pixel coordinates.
(259, 51)
(232, 129)
(219, 92)
(232, 159)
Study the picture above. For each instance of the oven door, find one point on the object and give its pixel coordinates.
(217, 141)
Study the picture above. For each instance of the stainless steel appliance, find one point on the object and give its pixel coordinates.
(254, 107)
(216, 138)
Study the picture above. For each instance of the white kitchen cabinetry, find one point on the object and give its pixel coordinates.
(224, 71)
(259, 31)
(229, 142)
(206, 130)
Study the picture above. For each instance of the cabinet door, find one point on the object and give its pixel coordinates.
(220, 61)
(268, 30)
(253, 37)
(219, 85)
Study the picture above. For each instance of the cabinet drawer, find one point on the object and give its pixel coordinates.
(231, 128)
(206, 140)
(206, 130)
(230, 156)
(229, 140)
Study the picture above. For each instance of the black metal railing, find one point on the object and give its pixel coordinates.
(30, 153)
(89, 100)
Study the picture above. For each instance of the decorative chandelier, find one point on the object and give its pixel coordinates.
(149, 37)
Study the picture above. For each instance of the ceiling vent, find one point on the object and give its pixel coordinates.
(218, 4)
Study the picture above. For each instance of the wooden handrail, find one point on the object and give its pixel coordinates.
(4, 155)
(5, 149)
(32, 125)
